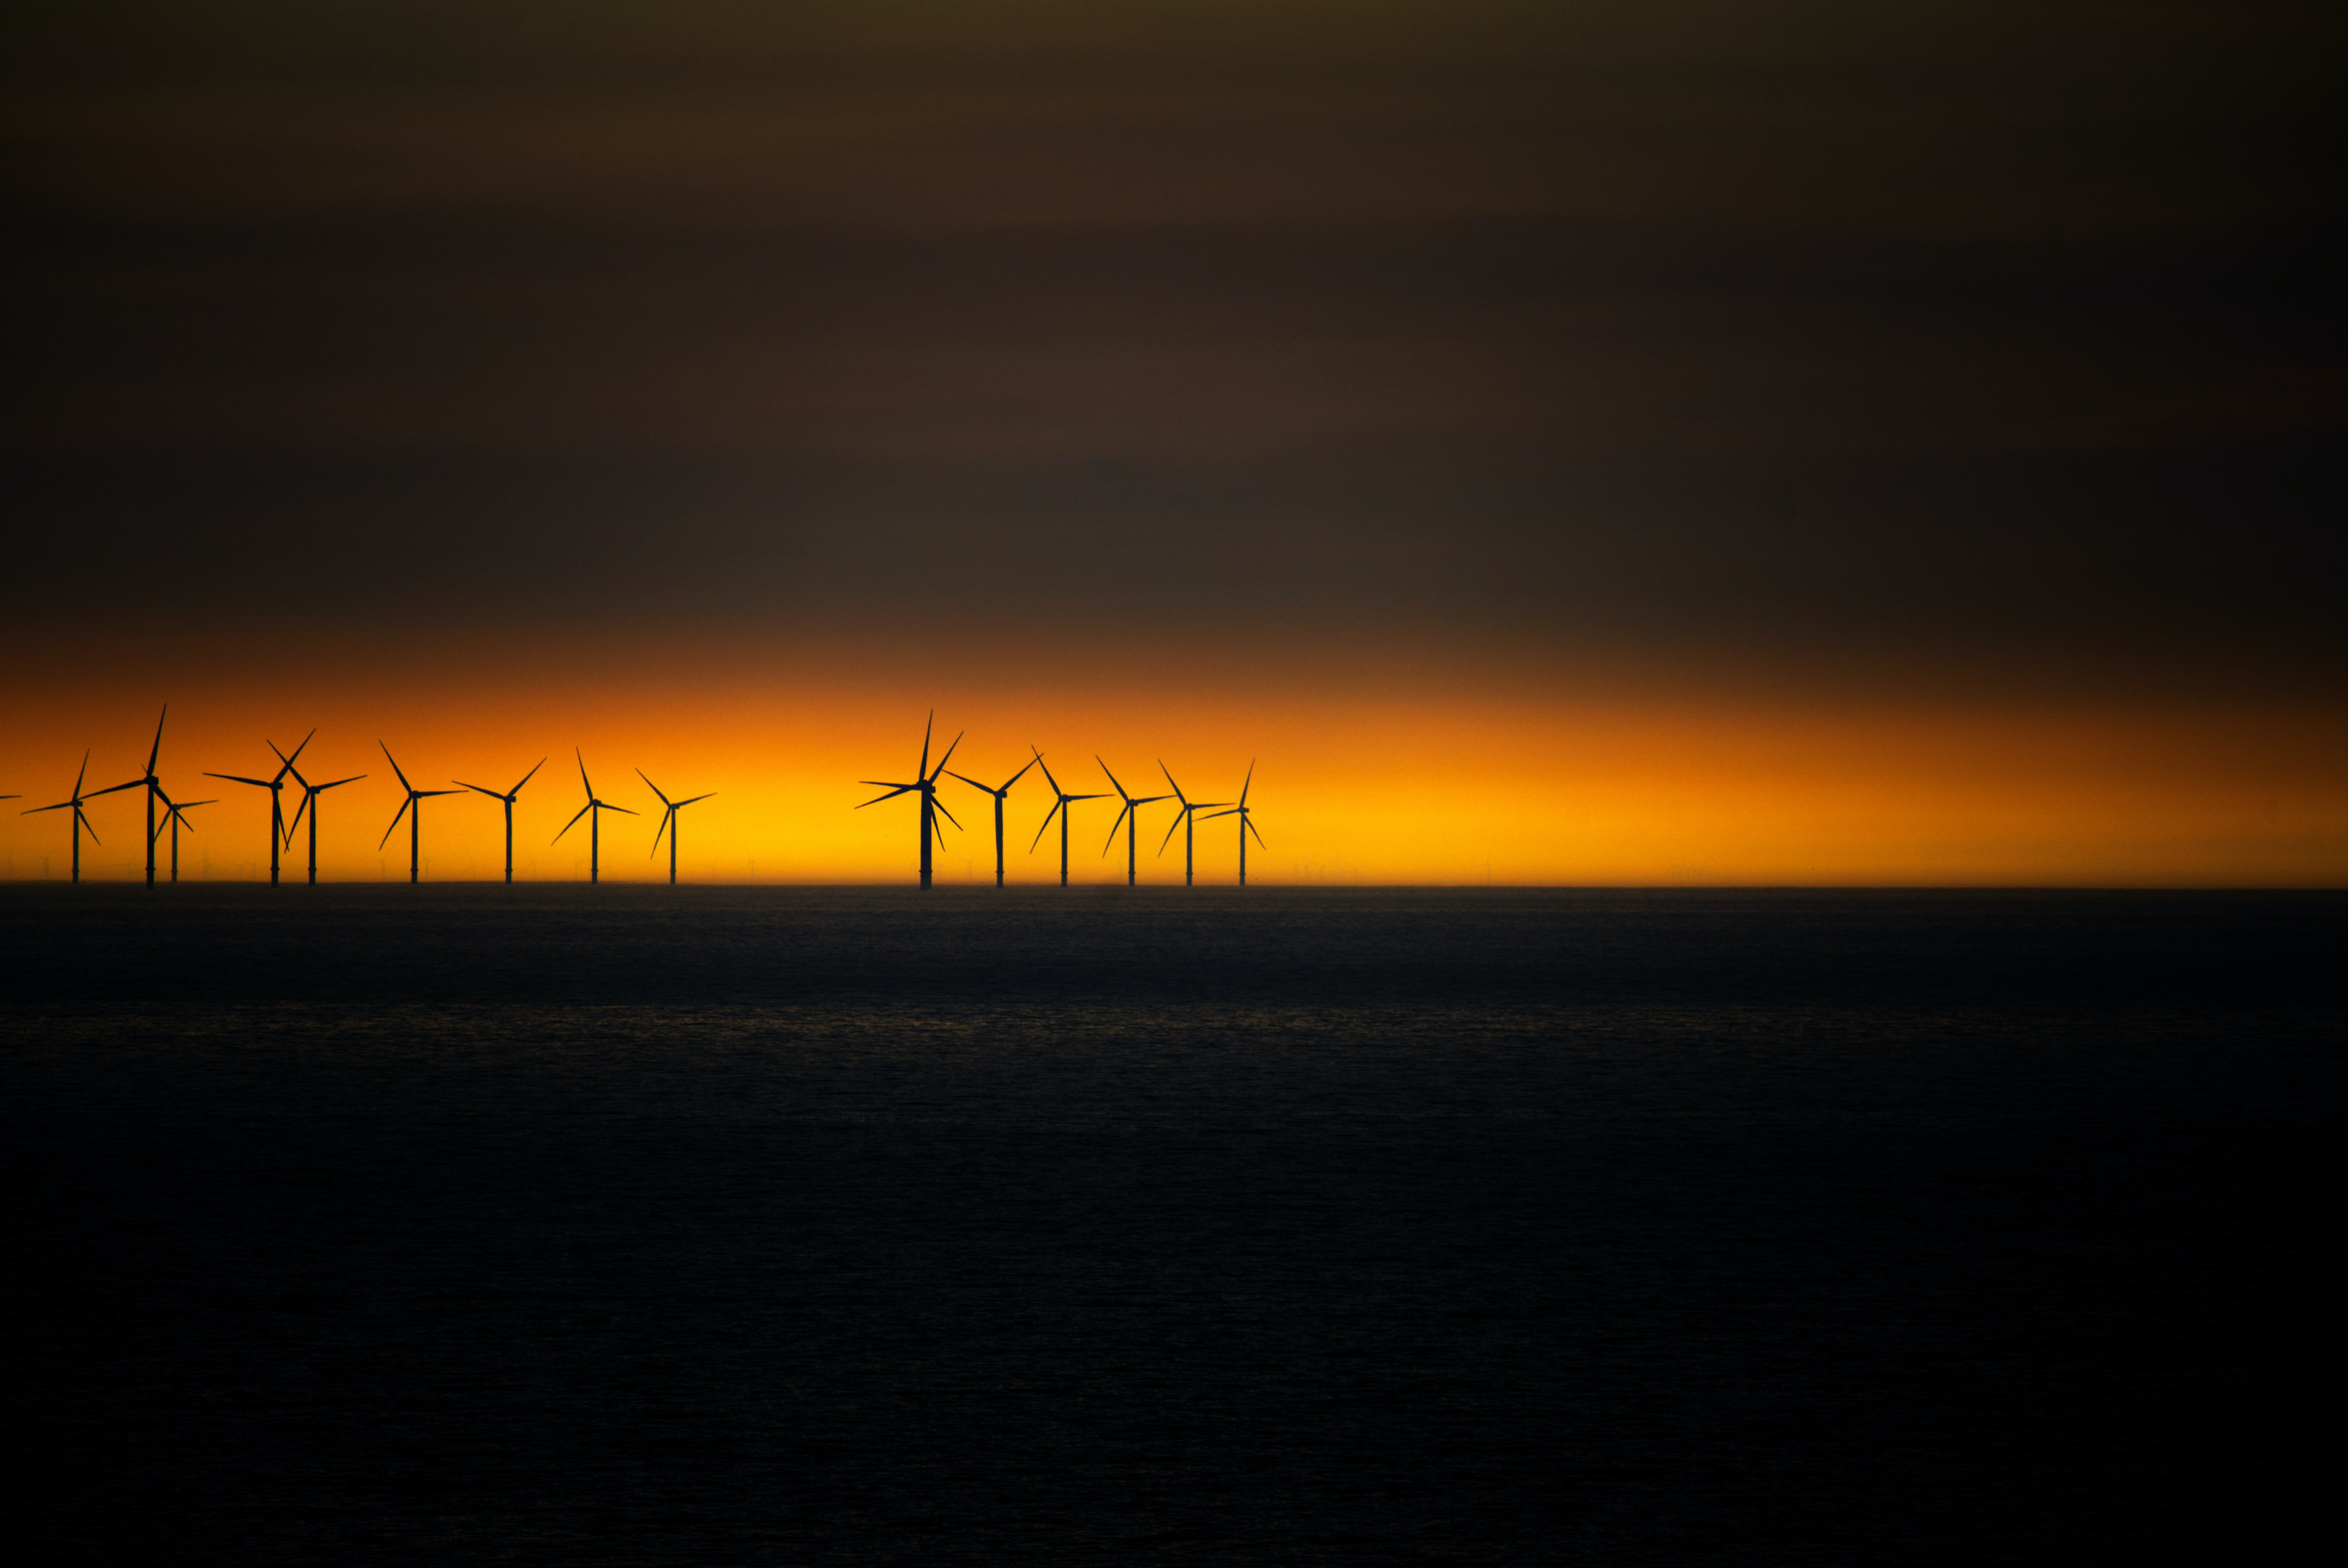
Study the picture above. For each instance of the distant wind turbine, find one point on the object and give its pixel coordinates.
(1247, 822)
(1129, 818)
(998, 795)
(593, 812)
(81, 819)
(668, 821)
(509, 798)
(154, 787)
(925, 780)
(174, 813)
(275, 785)
(412, 808)
(310, 794)
(1061, 800)
(1186, 818)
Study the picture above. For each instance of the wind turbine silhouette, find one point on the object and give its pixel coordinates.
(668, 821)
(174, 813)
(1129, 818)
(1247, 823)
(926, 781)
(154, 787)
(998, 795)
(1185, 818)
(412, 808)
(593, 811)
(509, 798)
(275, 785)
(81, 819)
(310, 794)
(1060, 801)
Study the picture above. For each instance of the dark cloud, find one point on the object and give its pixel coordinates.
(1946, 340)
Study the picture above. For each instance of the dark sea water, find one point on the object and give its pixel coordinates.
(638, 1226)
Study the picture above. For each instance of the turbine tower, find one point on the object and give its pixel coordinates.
(81, 819)
(1060, 800)
(1247, 823)
(310, 794)
(412, 808)
(509, 798)
(925, 780)
(668, 821)
(593, 811)
(154, 788)
(998, 795)
(1129, 818)
(174, 813)
(275, 785)
(1186, 818)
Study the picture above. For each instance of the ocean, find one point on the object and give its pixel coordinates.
(801, 1226)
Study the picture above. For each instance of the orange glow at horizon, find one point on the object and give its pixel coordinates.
(1416, 790)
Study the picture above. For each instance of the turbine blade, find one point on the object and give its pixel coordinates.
(1248, 781)
(572, 823)
(925, 742)
(111, 789)
(36, 811)
(682, 803)
(1248, 823)
(1213, 815)
(1112, 779)
(320, 789)
(1057, 807)
(1169, 830)
(1170, 782)
(83, 817)
(304, 746)
(1115, 825)
(395, 821)
(525, 779)
(624, 811)
(83, 774)
(297, 816)
(483, 788)
(1015, 778)
(940, 808)
(948, 757)
(583, 772)
(156, 750)
(893, 794)
(395, 768)
(1047, 773)
(661, 829)
(649, 784)
(967, 779)
(240, 778)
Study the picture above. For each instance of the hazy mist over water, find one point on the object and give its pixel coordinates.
(852, 1225)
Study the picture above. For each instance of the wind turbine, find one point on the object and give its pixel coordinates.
(174, 813)
(1060, 800)
(412, 808)
(593, 811)
(81, 819)
(310, 794)
(998, 795)
(275, 785)
(668, 821)
(1247, 823)
(926, 781)
(509, 798)
(1185, 818)
(1129, 818)
(154, 787)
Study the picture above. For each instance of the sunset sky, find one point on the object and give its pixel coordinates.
(1631, 444)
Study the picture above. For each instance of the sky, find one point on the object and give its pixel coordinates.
(1622, 444)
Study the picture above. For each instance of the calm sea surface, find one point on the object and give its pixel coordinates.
(634, 1225)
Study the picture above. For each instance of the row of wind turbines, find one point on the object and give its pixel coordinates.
(1186, 811)
(282, 829)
